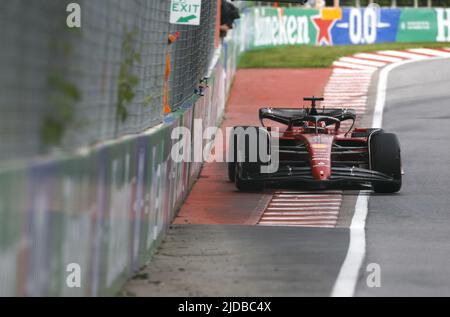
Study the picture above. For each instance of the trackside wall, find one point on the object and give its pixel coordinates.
(103, 211)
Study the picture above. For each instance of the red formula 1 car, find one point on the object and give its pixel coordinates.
(311, 149)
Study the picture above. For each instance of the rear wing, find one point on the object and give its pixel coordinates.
(287, 115)
(282, 115)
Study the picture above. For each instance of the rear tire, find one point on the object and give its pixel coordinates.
(386, 159)
(247, 185)
(245, 171)
(232, 155)
(232, 172)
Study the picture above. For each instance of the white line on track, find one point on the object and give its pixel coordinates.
(303, 200)
(347, 279)
(379, 57)
(301, 213)
(355, 66)
(303, 209)
(294, 204)
(347, 80)
(314, 225)
(430, 52)
(343, 94)
(307, 194)
(403, 54)
(347, 85)
(382, 89)
(324, 208)
(350, 71)
(301, 218)
(348, 275)
(362, 61)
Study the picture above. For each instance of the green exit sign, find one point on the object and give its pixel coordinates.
(186, 12)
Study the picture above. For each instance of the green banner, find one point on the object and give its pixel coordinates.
(417, 25)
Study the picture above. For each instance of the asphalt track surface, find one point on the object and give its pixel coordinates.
(407, 234)
(243, 261)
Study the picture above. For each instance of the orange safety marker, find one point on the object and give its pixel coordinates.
(219, 13)
(171, 39)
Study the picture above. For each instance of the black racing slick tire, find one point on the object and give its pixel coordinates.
(232, 153)
(244, 167)
(245, 184)
(232, 171)
(386, 159)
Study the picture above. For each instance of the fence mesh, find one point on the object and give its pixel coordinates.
(63, 88)
(191, 54)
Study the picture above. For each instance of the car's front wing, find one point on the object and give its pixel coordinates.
(350, 174)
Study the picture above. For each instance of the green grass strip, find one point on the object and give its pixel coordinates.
(316, 56)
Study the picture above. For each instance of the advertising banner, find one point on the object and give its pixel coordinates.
(271, 27)
(364, 26)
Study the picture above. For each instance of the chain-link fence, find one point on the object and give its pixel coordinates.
(62, 88)
(191, 54)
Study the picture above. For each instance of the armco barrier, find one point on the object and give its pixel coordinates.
(102, 211)
(270, 27)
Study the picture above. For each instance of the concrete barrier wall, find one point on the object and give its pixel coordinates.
(101, 212)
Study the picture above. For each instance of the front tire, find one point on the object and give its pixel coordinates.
(386, 159)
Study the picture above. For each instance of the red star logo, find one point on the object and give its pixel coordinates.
(323, 30)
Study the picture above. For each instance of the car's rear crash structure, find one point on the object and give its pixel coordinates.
(312, 150)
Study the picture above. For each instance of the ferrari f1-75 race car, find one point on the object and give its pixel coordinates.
(310, 148)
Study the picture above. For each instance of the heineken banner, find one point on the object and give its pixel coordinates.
(268, 27)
